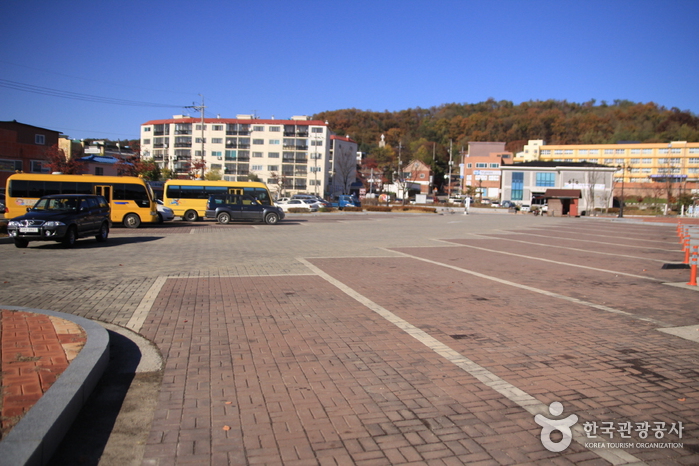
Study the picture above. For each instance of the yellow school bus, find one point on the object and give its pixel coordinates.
(187, 198)
(130, 198)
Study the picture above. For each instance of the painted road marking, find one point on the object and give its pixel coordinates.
(489, 379)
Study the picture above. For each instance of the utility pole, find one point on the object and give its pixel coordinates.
(451, 163)
(200, 109)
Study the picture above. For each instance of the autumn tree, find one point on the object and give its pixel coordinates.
(59, 163)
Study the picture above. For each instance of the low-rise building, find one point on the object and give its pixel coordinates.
(480, 168)
(23, 148)
(527, 183)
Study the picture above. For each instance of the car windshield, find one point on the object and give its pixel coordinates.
(56, 204)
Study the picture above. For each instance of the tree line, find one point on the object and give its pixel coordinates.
(425, 134)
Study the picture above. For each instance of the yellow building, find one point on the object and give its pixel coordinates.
(674, 162)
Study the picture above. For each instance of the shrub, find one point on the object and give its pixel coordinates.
(378, 208)
(352, 209)
(327, 209)
(297, 210)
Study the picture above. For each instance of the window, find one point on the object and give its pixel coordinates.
(257, 155)
(146, 142)
(37, 167)
(10, 165)
(546, 152)
(582, 152)
(481, 165)
(99, 171)
(316, 142)
(230, 154)
(256, 168)
(609, 161)
(694, 150)
(469, 165)
(620, 151)
(39, 139)
(594, 151)
(216, 153)
(316, 130)
(608, 151)
(647, 151)
(494, 165)
(274, 142)
(635, 151)
(199, 128)
(568, 152)
(663, 151)
(258, 128)
(147, 129)
(275, 129)
(217, 127)
(258, 142)
(273, 155)
(272, 168)
(517, 186)
(558, 152)
(546, 179)
(676, 150)
(619, 161)
(216, 140)
(199, 140)
(646, 161)
(635, 161)
(694, 160)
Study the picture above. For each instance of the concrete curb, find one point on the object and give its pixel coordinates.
(34, 439)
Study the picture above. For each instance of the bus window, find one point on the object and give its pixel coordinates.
(259, 194)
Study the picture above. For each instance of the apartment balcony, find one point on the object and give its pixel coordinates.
(302, 134)
(304, 147)
(161, 145)
(183, 157)
(243, 158)
(301, 160)
(183, 144)
(158, 133)
(183, 131)
(157, 157)
(288, 173)
(243, 146)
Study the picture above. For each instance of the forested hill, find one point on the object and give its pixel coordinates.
(556, 122)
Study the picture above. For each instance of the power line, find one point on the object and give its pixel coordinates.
(76, 96)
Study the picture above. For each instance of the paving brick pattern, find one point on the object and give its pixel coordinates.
(269, 362)
(36, 349)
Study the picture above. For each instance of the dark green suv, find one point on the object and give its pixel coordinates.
(63, 218)
(234, 207)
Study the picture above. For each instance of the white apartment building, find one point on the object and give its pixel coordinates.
(293, 156)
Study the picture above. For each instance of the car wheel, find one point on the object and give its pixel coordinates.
(70, 238)
(191, 216)
(160, 218)
(132, 221)
(21, 243)
(224, 218)
(271, 219)
(103, 233)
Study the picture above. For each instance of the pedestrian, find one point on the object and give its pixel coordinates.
(467, 205)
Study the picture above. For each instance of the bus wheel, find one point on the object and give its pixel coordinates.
(271, 219)
(191, 216)
(132, 221)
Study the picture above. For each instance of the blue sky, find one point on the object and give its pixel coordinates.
(122, 63)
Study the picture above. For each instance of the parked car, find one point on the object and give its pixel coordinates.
(227, 208)
(63, 218)
(297, 204)
(346, 200)
(165, 214)
(455, 200)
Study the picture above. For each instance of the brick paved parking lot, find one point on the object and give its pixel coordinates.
(396, 339)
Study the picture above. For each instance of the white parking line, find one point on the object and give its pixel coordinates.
(489, 379)
(547, 260)
(501, 238)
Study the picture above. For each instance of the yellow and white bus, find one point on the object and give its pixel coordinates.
(130, 198)
(187, 198)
